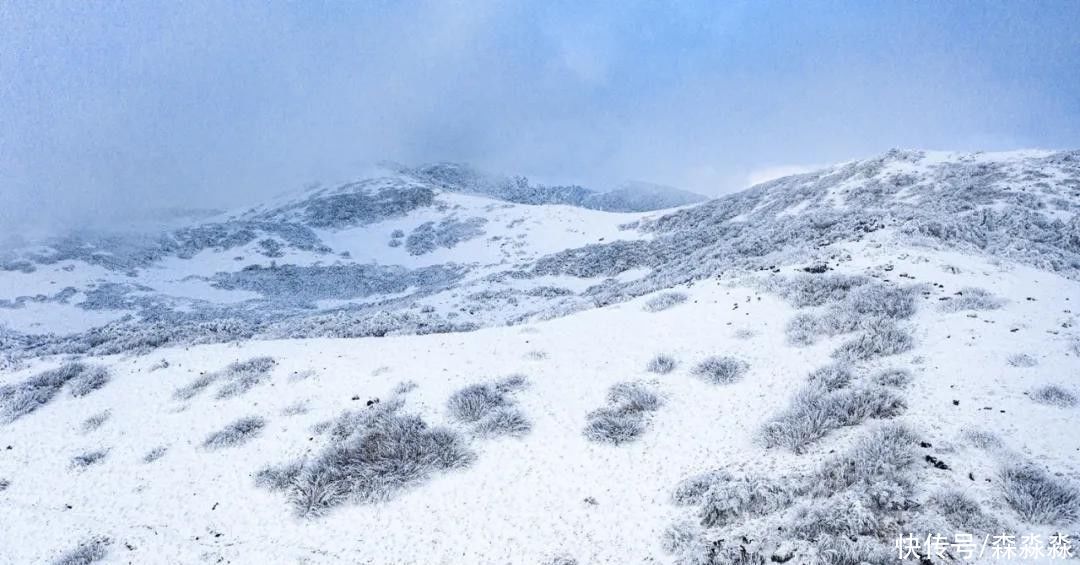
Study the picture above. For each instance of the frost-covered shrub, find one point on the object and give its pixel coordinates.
(89, 380)
(365, 202)
(196, 386)
(720, 370)
(279, 478)
(608, 425)
(491, 407)
(896, 378)
(236, 433)
(301, 285)
(802, 329)
(239, 378)
(1054, 395)
(503, 421)
(844, 550)
(372, 457)
(816, 410)
(662, 364)
(981, 439)
(665, 300)
(243, 376)
(843, 514)
(633, 397)
(89, 458)
(831, 377)
(94, 422)
(741, 497)
(626, 416)
(155, 454)
(88, 551)
(970, 298)
(429, 236)
(20, 399)
(475, 401)
(684, 538)
(817, 290)
(964, 513)
(846, 511)
(882, 301)
(879, 340)
(882, 454)
(1039, 497)
(1022, 360)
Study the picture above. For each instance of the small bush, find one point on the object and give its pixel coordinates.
(19, 399)
(381, 453)
(1054, 395)
(684, 538)
(89, 458)
(155, 454)
(665, 300)
(744, 333)
(475, 401)
(816, 410)
(280, 478)
(503, 421)
(802, 329)
(816, 290)
(512, 383)
(964, 513)
(880, 340)
(832, 377)
(1022, 360)
(750, 496)
(608, 425)
(661, 364)
(843, 514)
(295, 409)
(405, 387)
(89, 551)
(881, 454)
(624, 419)
(89, 380)
(721, 370)
(192, 389)
(239, 432)
(96, 421)
(896, 378)
(633, 397)
(882, 301)
(4, 484)
(970, 298)
(245, 375)
(1039, 497)
(982, 439)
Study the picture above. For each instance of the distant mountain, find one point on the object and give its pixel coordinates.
(630, 197)
(639, 196)
(424, 250)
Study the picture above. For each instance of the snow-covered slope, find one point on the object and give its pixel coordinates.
(314, 408)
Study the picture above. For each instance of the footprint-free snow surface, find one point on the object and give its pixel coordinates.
(436, 366)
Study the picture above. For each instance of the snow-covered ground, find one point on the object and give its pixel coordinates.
(551, 492)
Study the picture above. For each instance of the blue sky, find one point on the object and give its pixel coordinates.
(108, 109)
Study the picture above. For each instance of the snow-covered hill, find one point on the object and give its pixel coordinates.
(411, 369)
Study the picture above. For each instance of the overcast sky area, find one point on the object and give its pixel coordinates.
(109, 109)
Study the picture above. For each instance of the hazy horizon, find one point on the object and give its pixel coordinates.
(108, 111)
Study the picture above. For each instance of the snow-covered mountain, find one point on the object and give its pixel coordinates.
(435, 365)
